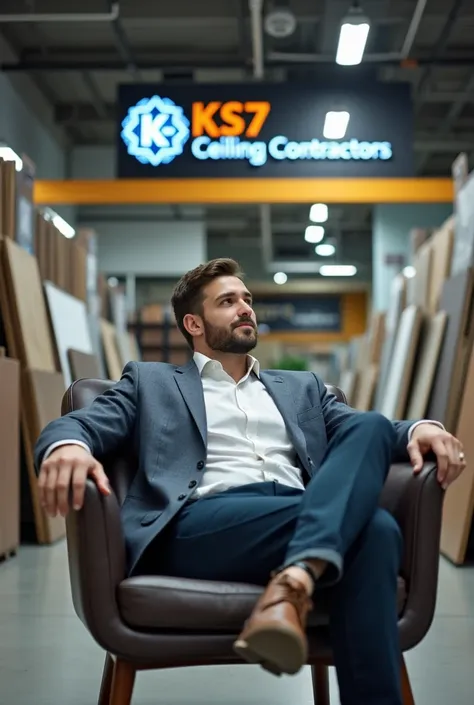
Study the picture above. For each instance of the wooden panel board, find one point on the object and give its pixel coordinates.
(112, 357)
(420, 284)
(463, 250)
(9, 455)
(442, 247)
(348, 384)
(431, 340)
(24, 310)
(70, 326)
(376, 336)
(366, 388)
(42, 395)
(134, 349)
(401, 367)
(458, 505)
(457, 300)
(398, 294)
(8, 199)
(83, 365)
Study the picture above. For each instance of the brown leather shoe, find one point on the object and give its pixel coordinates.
(274, 635)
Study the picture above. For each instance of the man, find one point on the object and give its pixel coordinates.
(253, 476)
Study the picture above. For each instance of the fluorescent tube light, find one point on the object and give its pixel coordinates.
(337, 270)
(335, 124)
(352, 38)
(318, 213)
(314, 233)
(325, 250)
(280, 278)
(63, 227)
(8, 155)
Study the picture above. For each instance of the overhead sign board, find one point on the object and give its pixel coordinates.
(266, 130)
(312, 314)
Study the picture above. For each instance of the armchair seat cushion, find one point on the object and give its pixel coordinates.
(161, 602)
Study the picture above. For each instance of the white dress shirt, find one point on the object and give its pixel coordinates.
(247, 440)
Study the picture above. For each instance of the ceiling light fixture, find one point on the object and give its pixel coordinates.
(318, 213)
(335, 124)
(280, 278)
(353, 36)
(409, 272)
(8, 155)
(59, 223)
(325, 250)
(337, 270)
(314, 233)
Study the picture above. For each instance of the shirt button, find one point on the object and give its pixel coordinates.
(181, 497)
(200, 465)
(192, 484)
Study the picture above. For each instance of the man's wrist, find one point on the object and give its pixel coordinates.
(423, 421)
(67, 442)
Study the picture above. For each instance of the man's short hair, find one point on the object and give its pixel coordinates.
(188, 294)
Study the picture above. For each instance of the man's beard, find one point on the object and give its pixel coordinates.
(230, 341)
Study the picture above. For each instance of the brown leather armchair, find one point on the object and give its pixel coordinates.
(164, 622)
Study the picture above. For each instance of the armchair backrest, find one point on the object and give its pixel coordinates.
(120, 469)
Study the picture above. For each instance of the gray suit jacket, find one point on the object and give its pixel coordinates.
(159, 409)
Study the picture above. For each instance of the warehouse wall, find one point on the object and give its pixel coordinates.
(392, 225)
(150, 249)
(25, 132)
(27, 126)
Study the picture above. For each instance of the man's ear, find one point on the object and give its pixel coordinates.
(193, 324)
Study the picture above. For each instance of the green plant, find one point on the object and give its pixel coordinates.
(291, 362)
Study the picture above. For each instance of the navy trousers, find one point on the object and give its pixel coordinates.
(245, 533)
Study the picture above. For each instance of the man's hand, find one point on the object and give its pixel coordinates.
(448, 450)
(67, 466)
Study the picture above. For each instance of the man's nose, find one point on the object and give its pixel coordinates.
(245, 309)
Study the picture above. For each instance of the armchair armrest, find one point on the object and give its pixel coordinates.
(416, 502)
(97, 563)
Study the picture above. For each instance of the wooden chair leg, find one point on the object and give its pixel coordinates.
(122, 683)
(106, 685)
(320, 674)
(407, 693)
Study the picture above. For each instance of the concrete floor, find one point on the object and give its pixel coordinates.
(48, 658)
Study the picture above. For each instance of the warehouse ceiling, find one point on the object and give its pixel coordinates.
(78, 52)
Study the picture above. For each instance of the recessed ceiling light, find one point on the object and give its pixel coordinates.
(314, 233)
(280, 278)
(409, 272)
(338, 270)
(325, 250)
(318, 213)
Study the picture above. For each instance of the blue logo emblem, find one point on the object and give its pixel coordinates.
(155, 131)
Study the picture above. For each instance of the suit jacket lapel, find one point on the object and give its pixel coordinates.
(189, 383)
(282, 396)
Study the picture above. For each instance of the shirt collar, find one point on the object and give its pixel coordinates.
(203, 361)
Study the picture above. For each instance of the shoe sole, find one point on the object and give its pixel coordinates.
(276, 650)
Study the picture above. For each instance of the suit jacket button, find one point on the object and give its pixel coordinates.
(181, 497)
(200, 465)
(192, 484)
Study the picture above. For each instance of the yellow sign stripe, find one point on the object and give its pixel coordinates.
(252, 190)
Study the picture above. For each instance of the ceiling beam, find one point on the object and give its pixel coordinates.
(72, 62)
